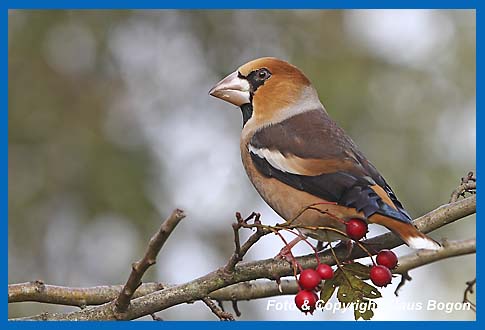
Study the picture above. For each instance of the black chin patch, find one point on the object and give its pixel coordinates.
(247, 112)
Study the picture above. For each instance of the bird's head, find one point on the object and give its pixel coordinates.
(267, 89)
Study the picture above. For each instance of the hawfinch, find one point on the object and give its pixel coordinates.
(296, 156)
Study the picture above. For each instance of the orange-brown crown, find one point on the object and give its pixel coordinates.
(277, 67)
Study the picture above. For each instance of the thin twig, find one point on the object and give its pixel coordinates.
(240, 251)
(140, 267)
(223, 316)
(236, 256)
(468, 184)
(220, 304)
(235, 307)
(155, 317)
(469, 290)
(404, 278)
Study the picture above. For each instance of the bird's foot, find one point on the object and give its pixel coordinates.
(322, 246)
(349, 246)
(285, 252)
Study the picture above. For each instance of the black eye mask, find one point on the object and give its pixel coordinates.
(257, 78)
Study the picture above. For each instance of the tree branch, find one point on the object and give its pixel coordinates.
(257, 289)
(140, 267)
(96, 295)
(71, 296)
(222, 315)
(270, 268)
(240, 291)
(424, 257)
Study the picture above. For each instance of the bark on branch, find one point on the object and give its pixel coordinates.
(205, 286)
(450, 249)
(97, 295)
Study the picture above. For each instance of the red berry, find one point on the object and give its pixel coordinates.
(306, 301)
(387, 259)
(356, 228)
(325, 271)
(380, 275)
(309, 279)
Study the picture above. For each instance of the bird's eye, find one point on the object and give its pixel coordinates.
(263, 74)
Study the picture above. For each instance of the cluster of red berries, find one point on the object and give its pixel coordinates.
(380, 274)
(306, 299)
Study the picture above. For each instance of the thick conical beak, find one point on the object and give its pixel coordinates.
(232, 89)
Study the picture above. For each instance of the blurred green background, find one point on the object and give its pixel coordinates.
(111, 127)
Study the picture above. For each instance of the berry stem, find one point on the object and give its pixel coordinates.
(359, 243)
(337, 262)
(309, 207)
(287, 226)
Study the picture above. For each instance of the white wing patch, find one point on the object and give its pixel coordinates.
(276, 159)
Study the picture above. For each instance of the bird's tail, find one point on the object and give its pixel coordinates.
(407, 232)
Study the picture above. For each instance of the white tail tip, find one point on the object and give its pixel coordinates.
(423, 243)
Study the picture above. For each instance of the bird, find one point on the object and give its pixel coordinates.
(305, 166)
